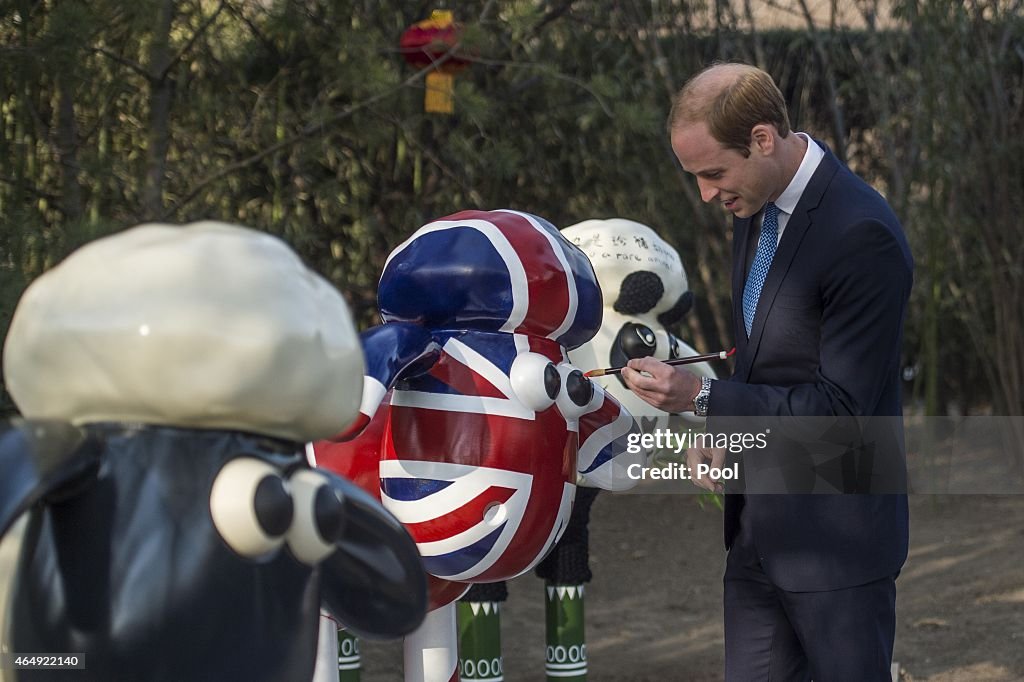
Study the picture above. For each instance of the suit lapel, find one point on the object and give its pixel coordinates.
(740, 246)
(797, 226)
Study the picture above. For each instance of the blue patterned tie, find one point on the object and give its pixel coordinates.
(762, 261)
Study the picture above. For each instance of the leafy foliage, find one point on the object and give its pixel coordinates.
(300, 118)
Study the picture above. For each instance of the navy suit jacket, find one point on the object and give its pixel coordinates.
(825, 343)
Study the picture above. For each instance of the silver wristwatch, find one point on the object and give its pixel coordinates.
(703, 398)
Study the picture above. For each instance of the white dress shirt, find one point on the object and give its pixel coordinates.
(791, 195)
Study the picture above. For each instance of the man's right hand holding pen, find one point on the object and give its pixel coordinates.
(673, 390)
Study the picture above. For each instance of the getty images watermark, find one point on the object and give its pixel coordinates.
(970, 455)
(667, 440)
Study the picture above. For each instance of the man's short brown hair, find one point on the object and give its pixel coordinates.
(738, 98)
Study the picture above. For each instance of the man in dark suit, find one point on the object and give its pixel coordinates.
(821, 278)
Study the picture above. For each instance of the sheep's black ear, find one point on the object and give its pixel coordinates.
(40, 459)
(640, 292)
(373, 582)
(676, 312)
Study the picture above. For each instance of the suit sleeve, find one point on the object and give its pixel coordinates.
(864, 297)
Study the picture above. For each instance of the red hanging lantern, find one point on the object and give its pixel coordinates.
(423, 45)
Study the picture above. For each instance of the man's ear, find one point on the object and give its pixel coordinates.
(762, 139)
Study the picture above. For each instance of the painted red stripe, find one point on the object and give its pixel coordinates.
(470, 214)
(463, 379)
(547, 282)
(546, 347)
(460, 520)
(473, 439)
(599, 418)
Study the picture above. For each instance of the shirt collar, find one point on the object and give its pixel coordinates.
(791, 195)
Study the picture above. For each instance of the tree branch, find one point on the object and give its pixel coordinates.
(192, 41)
(52, 198)
(838, 126)
(445, 169)
(552, 14)
(134, 66)
(306, 132)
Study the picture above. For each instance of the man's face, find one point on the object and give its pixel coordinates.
(742, 184)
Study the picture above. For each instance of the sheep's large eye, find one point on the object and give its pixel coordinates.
(535, 381)
(319, 517)
(251, 507)
(576, 394)
(633, 341)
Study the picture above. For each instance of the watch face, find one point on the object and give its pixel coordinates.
(700, 401)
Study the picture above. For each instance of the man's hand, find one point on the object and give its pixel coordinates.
(712, 457)
(668, 388)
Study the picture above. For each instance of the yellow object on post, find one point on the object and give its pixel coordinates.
(432, 44)
(440, 95)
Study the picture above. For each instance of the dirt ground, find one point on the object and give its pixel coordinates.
(654, 606)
